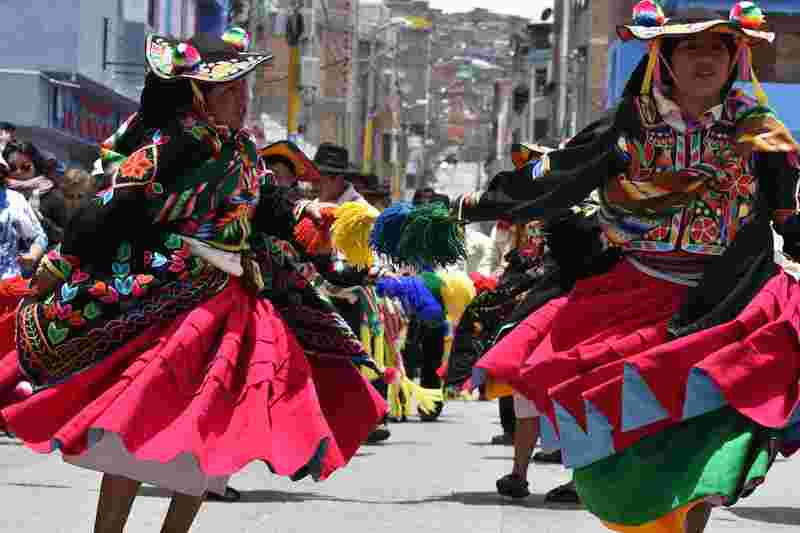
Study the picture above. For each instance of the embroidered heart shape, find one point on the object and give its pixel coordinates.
(56, 334)
(121, 269)
(159, 260)
(99, 289)
(50, 312)
(177, 264)
(68, 292)
(124, 252)
(124, 286)
(79, 276)
(91, 311)
(144, 279)
(63, 311)
(184, 252)
(111, 297)
(173, 242)
(106, 196)
(75, 319)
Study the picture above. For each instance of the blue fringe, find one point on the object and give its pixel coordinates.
(388, 229)
(414, 295)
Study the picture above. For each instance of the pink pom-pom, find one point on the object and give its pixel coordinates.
(648, 13)
(23, 390)
(391, 376)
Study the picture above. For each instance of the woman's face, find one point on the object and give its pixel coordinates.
(21, 167)
(284, 174)
(227, 103)
(702, 65)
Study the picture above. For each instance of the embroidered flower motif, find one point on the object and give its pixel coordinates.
(137, 165)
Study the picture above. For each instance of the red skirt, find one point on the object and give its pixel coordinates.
(600, 365)
(221, 386)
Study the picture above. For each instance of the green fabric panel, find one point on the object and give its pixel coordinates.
(702, 457)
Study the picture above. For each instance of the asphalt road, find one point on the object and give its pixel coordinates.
(428, 477)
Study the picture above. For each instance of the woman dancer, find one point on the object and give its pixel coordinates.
(677, 367)
(173, 341)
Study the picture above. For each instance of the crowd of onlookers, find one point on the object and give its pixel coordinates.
(38, 196)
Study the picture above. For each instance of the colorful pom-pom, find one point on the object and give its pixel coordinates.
(23, 390)
(747, 15)
(186, 57)
(431, 237)
(351, 232)
(238, 37)
(388, 229)
(648, 13)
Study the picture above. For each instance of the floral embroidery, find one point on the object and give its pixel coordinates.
(137, 165)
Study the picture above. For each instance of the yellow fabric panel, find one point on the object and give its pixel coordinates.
(674, 522)
(496, 390)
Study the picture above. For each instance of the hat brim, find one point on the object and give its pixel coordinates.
(522, 153)
(325, 169)
(648, 33)
(304, 168)
(159, 55)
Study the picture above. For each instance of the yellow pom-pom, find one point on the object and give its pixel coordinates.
(351, 231)
(458, 291)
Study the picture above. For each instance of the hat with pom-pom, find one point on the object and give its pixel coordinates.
(204, 57)
(746, 23)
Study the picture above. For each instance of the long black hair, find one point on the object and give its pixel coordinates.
(28, 149)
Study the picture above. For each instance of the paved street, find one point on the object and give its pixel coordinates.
(428, 477)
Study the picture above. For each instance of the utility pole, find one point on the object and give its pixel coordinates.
(424, 167)
(352, 86)
(369, 127)
(566, 22)
(294, 30)
(397, 189)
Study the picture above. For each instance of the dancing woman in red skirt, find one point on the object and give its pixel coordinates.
(177, 335)
(670, 381)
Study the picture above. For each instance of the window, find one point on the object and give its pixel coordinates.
(152, 13)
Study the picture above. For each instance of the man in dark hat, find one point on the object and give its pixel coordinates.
(333, 163)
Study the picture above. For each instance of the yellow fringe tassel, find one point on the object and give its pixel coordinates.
(350, 232)
(761, 96)
(652, 61)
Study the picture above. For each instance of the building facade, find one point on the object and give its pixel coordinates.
(73, 70)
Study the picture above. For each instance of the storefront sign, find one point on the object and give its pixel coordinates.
(84, 116)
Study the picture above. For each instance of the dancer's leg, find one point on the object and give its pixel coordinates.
(525, 438)
(697, 518)
(116, 499)
(182, 511)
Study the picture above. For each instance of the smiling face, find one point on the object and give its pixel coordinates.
(21, 166)
(702, 65)
(227, 103)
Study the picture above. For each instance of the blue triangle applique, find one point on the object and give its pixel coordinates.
(640, 407)
(579, 448)
(702, 395)
(548, 435)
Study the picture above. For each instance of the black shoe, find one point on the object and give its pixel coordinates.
(512, 485)
(504, 439)
(563, 494)
(379, 434)
(548, 457)
(231, 495)
(431, 417)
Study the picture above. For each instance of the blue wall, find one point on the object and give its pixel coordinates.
(39, 34)
(212, 16)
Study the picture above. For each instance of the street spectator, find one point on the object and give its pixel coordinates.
(77, 187)
(7, 134)
(26, 167)
(18, 225)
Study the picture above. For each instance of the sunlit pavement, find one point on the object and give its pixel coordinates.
(428, 477)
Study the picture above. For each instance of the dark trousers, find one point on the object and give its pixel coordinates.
(507, 417)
